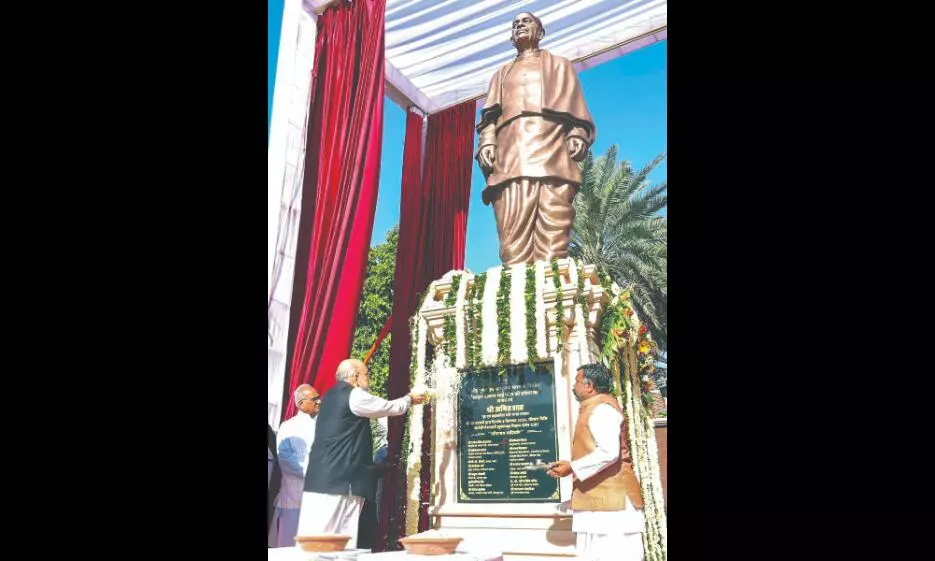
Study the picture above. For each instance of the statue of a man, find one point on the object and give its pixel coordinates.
(534, 128)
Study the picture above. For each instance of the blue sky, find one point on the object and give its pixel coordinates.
(627, 98)
(274, 10)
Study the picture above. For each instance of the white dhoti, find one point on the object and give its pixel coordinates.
(284, 527)
(330, 514)
(610, 535)
(606, 535)
(610, 547)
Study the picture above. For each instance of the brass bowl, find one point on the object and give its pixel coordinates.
(323, 542)
(430, 546)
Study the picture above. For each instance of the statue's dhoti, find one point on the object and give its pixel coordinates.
(534, 219)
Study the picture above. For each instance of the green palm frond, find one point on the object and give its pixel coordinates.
(618, 227)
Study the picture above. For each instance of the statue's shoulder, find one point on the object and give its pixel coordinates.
(557, 63)
(557, 59)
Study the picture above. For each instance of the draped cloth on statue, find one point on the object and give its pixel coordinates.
(533, 107)
(527, 116)
(536, 210)
(339, 192)
(531, 147)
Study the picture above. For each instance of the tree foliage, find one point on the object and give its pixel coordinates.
(376, 305)
(618, 227)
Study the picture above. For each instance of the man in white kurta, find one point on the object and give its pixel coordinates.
(293, 443)
(608, 533)
(340, 473)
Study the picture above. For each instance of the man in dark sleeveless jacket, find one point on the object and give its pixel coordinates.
(339, 476)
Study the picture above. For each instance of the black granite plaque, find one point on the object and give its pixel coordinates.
(507, 422)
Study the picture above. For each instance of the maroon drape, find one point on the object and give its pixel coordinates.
(384, 331)
(432, 231)
(449, 149)
(411, 231)
(339, 192)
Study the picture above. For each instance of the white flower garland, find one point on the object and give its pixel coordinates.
(489, 312)
(460, 321)
(640, 428)
(581, 316)
(518, 352)
(645, 465)
(541, 332)
(633, 429)
(658, 500)
(414, 453)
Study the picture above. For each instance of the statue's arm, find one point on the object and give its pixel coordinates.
(487, 147)
(487, 136)
(574, 130)
(487, 129)
(583, 134)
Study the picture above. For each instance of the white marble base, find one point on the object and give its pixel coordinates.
(522, 531)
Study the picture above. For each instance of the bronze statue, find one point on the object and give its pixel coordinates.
(534, 128)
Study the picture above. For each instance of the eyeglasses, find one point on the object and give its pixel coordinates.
(316, 400)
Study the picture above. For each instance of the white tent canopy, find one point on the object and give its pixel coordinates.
(438, 53)
(442, 52)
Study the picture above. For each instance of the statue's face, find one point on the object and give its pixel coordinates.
(525, 30)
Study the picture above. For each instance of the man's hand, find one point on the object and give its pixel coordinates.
(577, 149)
(560, 468)
(487, 156)
(417, 398)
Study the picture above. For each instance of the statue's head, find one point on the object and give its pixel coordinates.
(527, 30)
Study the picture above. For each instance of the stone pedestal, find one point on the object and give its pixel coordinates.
(500, 349)
(519, 529)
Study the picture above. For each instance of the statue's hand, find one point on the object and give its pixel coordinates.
(487, 156)
(577, 149)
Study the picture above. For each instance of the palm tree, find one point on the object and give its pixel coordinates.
(619, 229)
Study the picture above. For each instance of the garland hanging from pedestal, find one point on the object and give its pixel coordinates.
(632, 364)
(479, 334)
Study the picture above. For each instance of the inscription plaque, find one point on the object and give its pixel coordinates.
(507, 422)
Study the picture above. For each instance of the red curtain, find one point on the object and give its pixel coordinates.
(339, 192)
(384, 331)
(447, 184)
(432, 232)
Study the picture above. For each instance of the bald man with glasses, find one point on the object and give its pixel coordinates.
(341, 470)
(293, 444)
